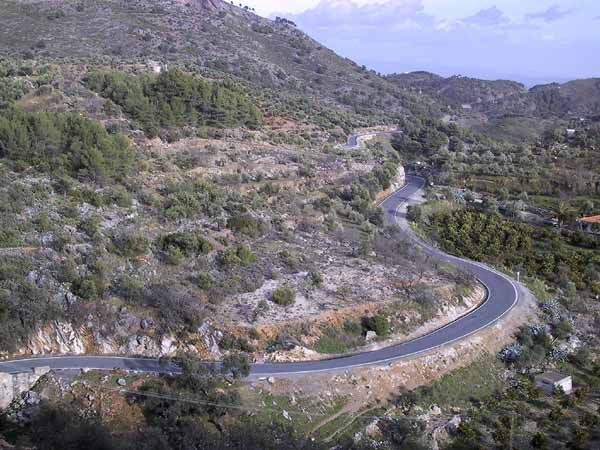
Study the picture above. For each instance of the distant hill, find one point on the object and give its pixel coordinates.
(500, 98)
(457, 91)
(576, 98)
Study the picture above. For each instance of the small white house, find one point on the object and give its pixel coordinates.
(549, 382)
(571, 132)
(155, 67)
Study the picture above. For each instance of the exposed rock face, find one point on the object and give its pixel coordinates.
(58, 338)
(62, 338)
(398, 181)
(209, 5)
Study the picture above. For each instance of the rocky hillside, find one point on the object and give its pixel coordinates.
(208, 35)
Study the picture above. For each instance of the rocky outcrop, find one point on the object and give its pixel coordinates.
(63, 338)
(398, 181)
(207, 5)
(57, 338)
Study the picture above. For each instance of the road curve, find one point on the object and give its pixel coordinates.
(353, 143)
(502, 295)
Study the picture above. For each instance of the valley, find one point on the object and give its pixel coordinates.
(217, 233)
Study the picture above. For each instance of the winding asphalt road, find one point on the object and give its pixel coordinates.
(353, 139)
(502, 295)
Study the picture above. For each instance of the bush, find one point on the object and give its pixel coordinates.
(378, 323)
(120, 197)
(177, 309)
(204, 281)
(187, 199)
(131, 245)
(246, 224)
(236, 364)
(174, 256)
(284, 296)
(86, 288)
(331, 343)
(189, 244)
(240, 256)
(414, 213)
(316, 278)
(131, 289)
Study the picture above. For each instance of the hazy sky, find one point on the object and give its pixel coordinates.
(532, 41)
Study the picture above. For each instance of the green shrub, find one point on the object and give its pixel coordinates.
(44, 224)
(176, 309)
(189, 244)
(120, 197)
(86, 288)
(378, 323)
(187, 199)
(204, 281)
(316, 278)
(8, 238)
(174, 256)
(131, 245)
(284, 296)
(240, 256)
(246, 224)
(261, 309)
(131, 289)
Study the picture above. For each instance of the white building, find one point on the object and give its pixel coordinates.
(155, 67)
(549, 382)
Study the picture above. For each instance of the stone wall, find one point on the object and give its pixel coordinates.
(13, 385)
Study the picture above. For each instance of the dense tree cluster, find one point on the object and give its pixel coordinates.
(361, 194)
(537, 251)
(64, 143)
(479, 236)
(175, 100)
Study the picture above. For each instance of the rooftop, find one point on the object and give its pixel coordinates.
(552, 377)
(592, 219)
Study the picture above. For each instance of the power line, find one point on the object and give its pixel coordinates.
(255, 409)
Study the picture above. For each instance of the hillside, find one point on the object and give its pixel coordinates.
(208, 35)
(175, 191)
(575, 98)
(171, 179)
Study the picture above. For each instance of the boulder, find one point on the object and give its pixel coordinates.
(453, 424)
(371, 336)
(435, 410)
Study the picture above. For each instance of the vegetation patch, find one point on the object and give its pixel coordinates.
(64, 143)
(175, 99)
(284, 296)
